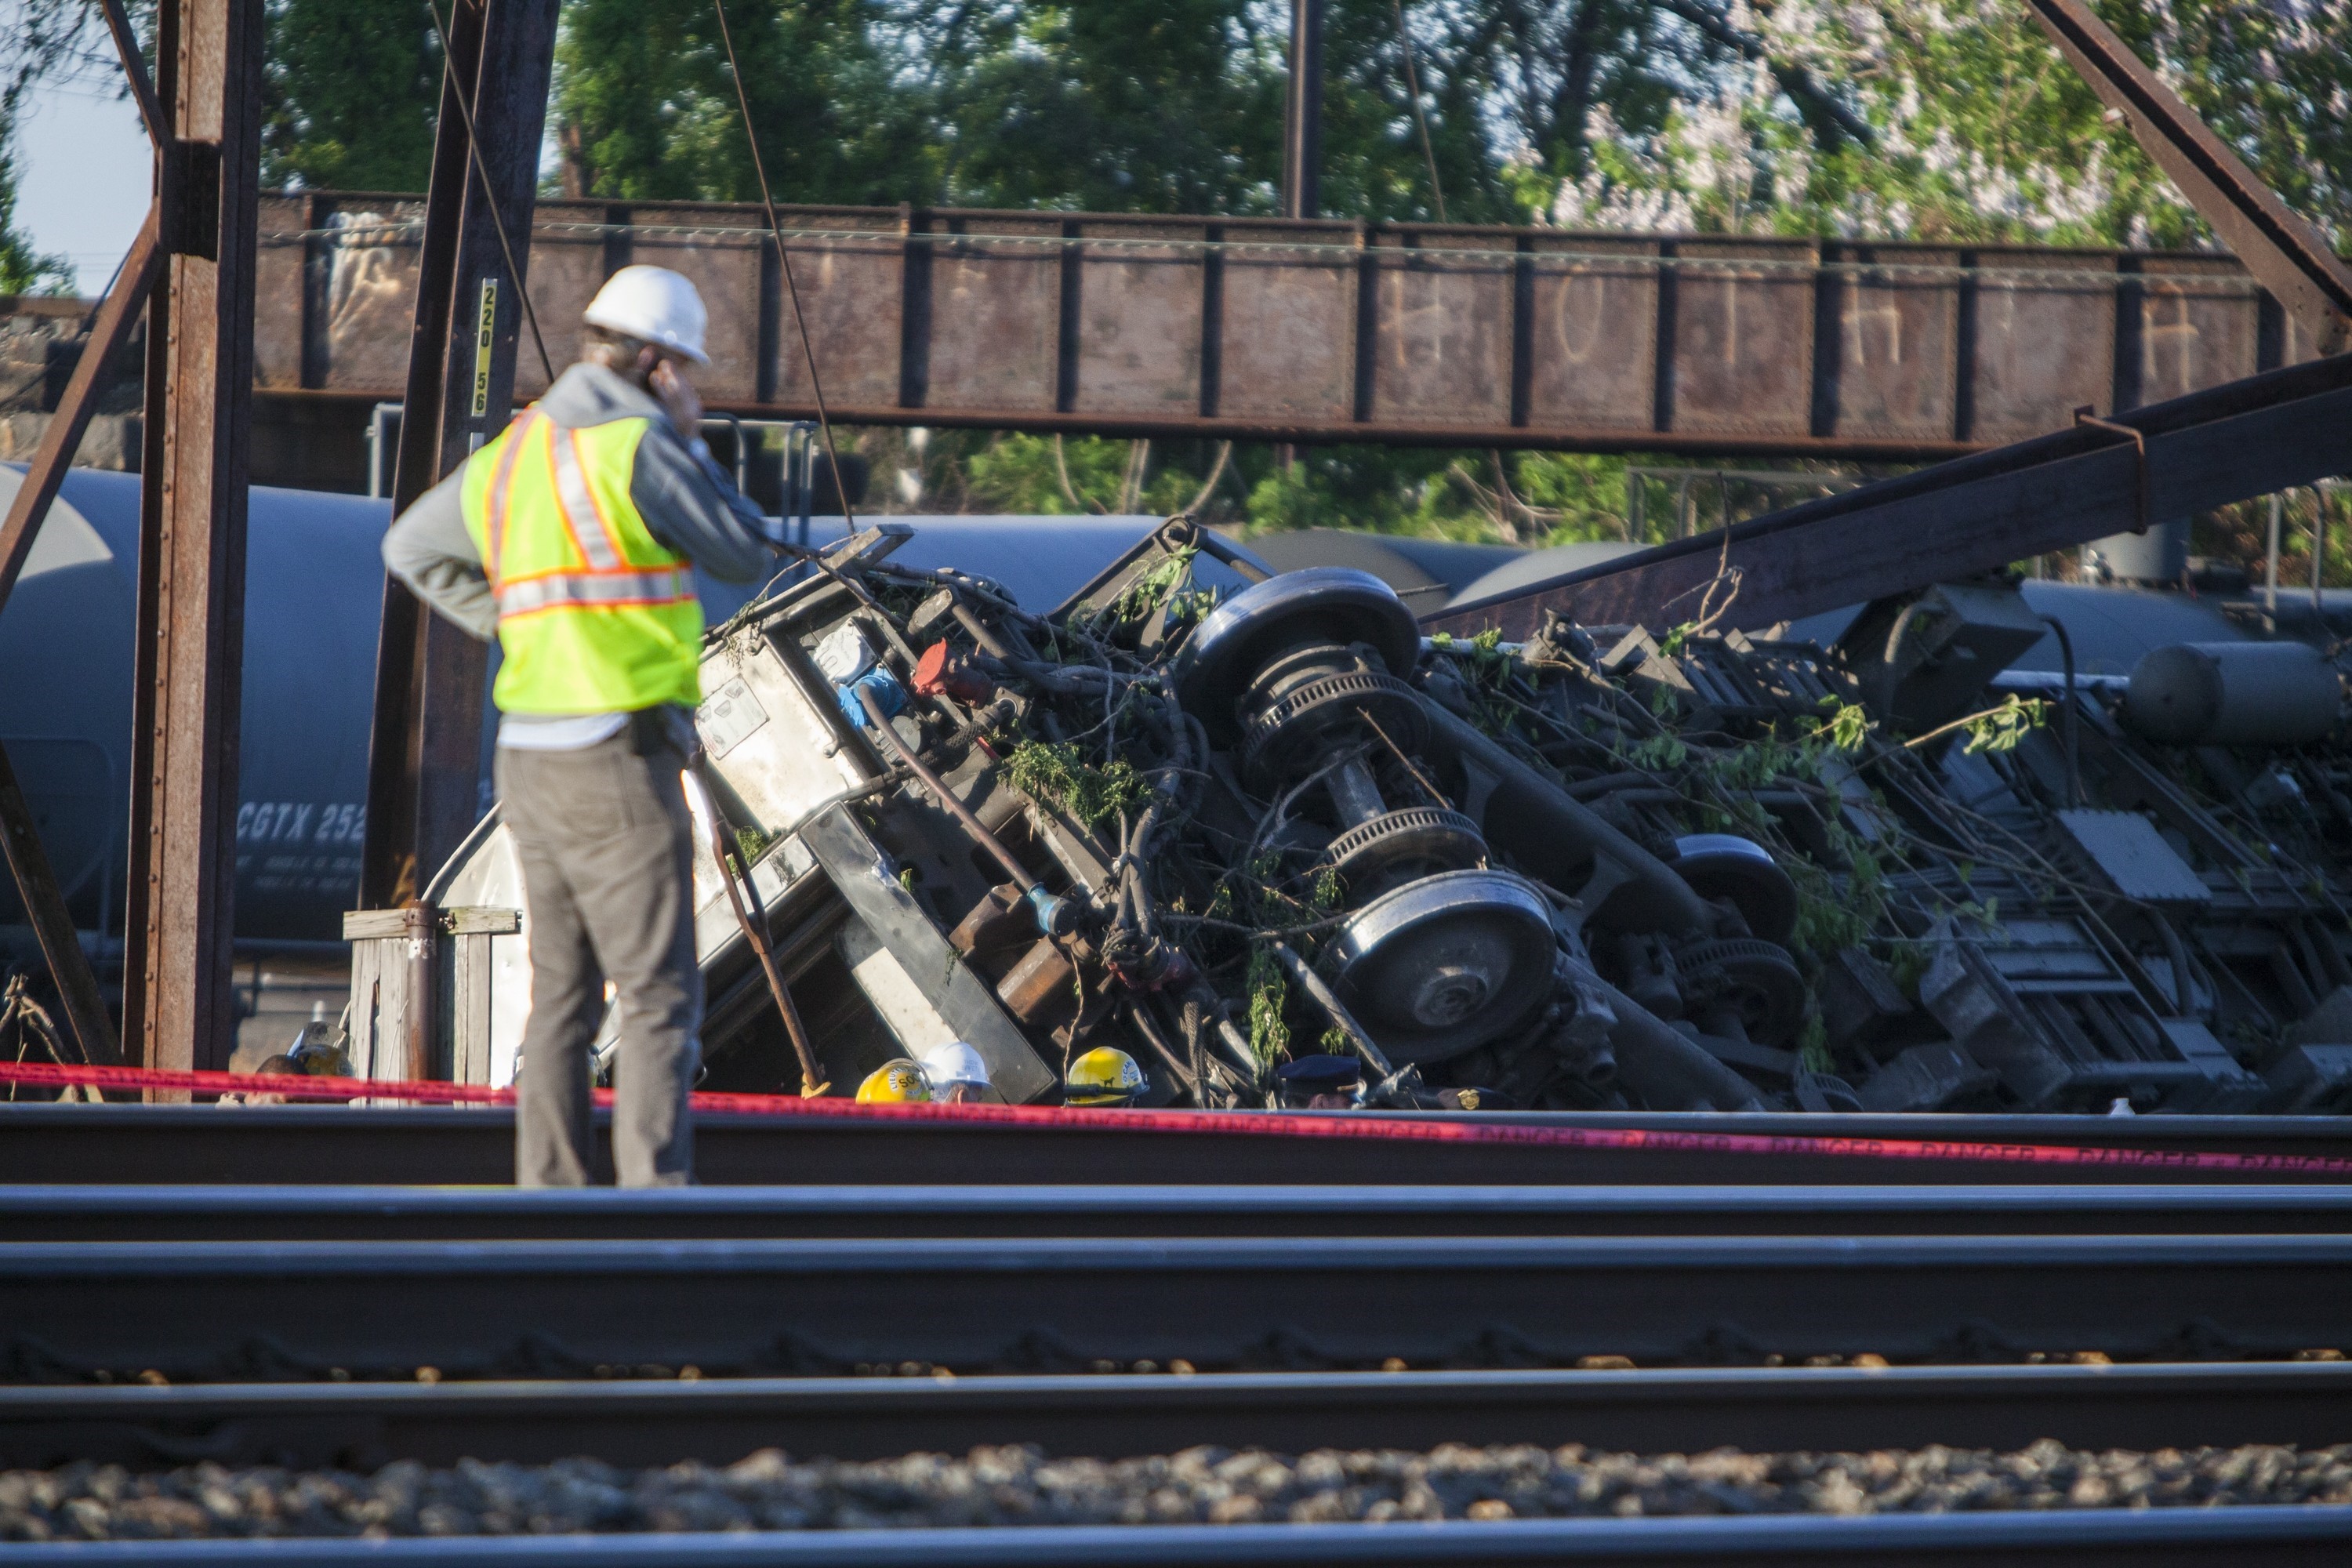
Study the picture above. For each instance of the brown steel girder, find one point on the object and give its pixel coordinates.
(424, 749)
(2293, 262)
(1963, 518)
(1330, 331)
(109, 329)
(179, 1002)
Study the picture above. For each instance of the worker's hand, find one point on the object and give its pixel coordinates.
(679, 399)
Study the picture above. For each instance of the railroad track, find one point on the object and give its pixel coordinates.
(2159, 1538)
(235, 1311)
(293, 1302)
(642, 1423)
(314, 1145)
(37, 1213)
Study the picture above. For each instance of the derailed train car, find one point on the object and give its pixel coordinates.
(1262, 835)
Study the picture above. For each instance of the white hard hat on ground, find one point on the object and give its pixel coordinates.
(953, 1063)
(656, 304)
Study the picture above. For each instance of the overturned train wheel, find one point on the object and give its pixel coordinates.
(1333, 607)
(1291, 734)
(1399, 846)
(1444, 964)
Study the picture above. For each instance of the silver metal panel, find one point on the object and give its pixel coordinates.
(2126, 849)
(963, 998)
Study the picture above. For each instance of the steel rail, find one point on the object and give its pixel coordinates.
(362, 1426)
(126, 1212)
(2144, 1538)
(237, 1310)
(336, 1146)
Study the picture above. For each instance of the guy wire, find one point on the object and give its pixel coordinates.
(776, 232)
(1412, 90)
(498, 219)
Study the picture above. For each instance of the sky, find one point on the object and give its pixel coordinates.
(81, 178)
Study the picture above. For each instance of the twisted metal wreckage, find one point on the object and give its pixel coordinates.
(1288, 852)
(1281, 846)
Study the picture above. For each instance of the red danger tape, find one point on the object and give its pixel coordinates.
(1248, 1123)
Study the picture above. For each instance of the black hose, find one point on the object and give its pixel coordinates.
(1333, 1008)
(2073, 717)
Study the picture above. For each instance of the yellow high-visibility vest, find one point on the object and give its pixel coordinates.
(596, 616)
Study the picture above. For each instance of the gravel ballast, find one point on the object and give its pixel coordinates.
(770, 1490)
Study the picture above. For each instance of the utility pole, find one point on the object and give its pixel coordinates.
(1302, 133)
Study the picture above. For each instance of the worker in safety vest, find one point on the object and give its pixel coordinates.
(573, 537)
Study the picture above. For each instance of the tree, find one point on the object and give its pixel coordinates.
(1948, 120)
(350, 91)
(1971, 126)
(1105, 105)
(644, 109)
(23, 269)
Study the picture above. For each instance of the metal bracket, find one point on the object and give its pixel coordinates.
(867, 545)
(2083, 416)
(189, 191)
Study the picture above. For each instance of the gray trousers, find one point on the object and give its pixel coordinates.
(606, 846)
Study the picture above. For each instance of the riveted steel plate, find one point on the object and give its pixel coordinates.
(851, 286)
(1896, 326)
(1287, 340)
(1138, 309)
(1442, 333)
(717, 250)
(1743, 337)
(2045, 326)
(1592, 333)
(995, 315)
(2201, 324)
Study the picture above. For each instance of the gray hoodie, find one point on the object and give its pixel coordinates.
(687, 501)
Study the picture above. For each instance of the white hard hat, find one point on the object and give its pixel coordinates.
(656, 304)
(953, 1063)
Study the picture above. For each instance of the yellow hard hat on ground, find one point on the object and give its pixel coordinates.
(1104, 1076)
(897, 1082)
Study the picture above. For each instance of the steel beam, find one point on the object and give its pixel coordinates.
(977, 1304)
(178, 1000)
(1962, 519)
(63, 1212)
(1322, 330)
(424, 783)
(343, 1145)
(2290, 257)
(134, 70)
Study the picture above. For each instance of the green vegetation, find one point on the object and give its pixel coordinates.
(23, 270)
(350, 94)
(1054, 772)
(1270, 993)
